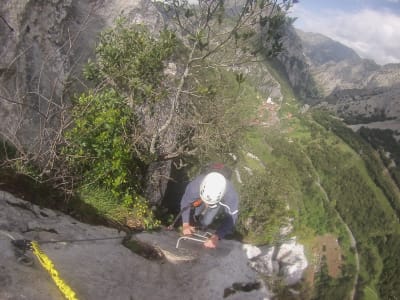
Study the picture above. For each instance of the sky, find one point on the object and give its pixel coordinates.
(370, 27)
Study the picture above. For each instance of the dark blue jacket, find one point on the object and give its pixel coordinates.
(230, 204)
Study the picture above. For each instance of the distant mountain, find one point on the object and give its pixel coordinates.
(356, 89)
(321, 49)
(335, 66)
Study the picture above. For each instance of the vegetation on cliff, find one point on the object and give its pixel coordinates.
(304, 170)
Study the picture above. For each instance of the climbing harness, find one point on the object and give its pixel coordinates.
(194, 204)
(197, 237)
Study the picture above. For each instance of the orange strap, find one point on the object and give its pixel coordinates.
(197, 203)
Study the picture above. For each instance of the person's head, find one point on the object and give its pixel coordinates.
(212, 188)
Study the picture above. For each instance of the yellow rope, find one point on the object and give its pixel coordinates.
(49, 266)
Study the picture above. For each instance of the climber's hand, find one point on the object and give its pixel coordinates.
(187, 229)
(211, 242)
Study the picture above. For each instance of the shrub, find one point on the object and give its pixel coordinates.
(262, 207)
(98, 145)
(132, 61)
(101, 147)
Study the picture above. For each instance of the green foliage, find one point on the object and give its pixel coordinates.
(395, 173)
(351, 192)
(363, 205)
(369, 272)
(389, 281)
(251, 27)
(98, 145)
(330, 288)
(314, 212)
(133, 211)
(132, 61)
(383, 141)
(372, 162)
(218, 116)
(379, 138)
(274, 33)
(263, 205)
(312, 209)
(99, 152)
(101, 199)
(102, 147)
(377, 116)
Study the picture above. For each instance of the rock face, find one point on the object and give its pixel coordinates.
(39, 50)
(288, 259)
(97, 266)
(43, 47)
(295, 65)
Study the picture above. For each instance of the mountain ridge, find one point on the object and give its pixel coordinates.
(356, 89)
(337, 67)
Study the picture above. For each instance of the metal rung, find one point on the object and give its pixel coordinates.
(206, 235)
(201, 238)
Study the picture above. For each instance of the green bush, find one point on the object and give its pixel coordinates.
(129, 59)
(101, 146)
(263, 200)
(134, 212)
(389, 281)
(362, 205)
(98, 145)
(330, 288)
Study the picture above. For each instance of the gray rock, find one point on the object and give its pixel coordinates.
(287, 258)
(99, 268)
(43, 47)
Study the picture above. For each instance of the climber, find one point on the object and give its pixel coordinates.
(218, 201)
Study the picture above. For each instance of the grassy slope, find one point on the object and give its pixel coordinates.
(308, 153)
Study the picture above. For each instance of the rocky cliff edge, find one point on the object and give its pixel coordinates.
(94, 262)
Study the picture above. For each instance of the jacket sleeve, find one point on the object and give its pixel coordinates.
(231, 207)
(192, 193)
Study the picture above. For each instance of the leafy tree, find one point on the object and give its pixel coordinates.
(131, 60)
(106, 146)
(98, 143)
(216, 34)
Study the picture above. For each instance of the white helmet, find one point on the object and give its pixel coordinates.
(212, 188)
